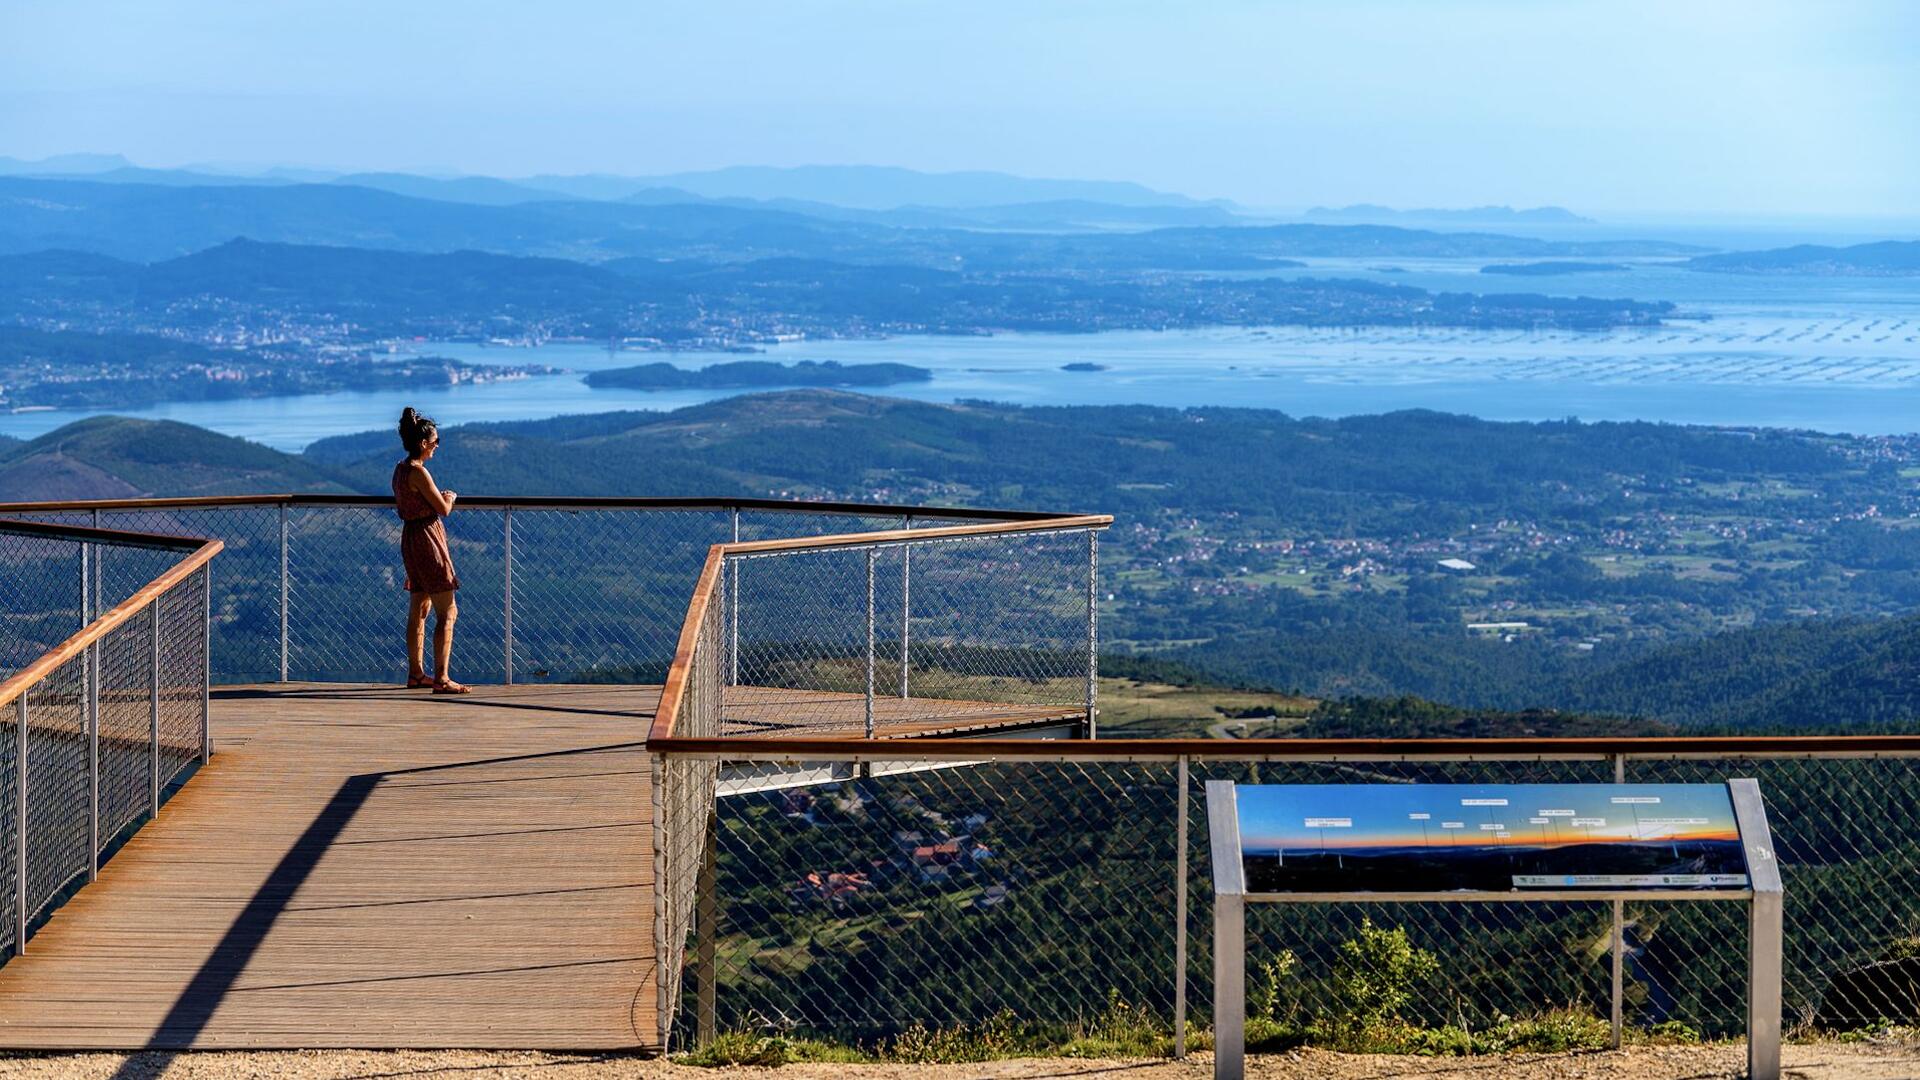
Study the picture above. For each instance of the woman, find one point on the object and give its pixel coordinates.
(431, 580)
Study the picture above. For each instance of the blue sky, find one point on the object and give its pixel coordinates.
(1616, 107)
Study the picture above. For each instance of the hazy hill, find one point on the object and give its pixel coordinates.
(481, 190)
(144, 222)
(875, 187)
(468, 294)
(1478, 215)
(147, 222)
(1887, 258)
(113, 457)
(64, 163)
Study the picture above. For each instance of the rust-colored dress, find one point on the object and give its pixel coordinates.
(423, 539)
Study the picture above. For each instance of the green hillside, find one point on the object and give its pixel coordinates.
(1690, 576)
(113, 457)
(1822, 675)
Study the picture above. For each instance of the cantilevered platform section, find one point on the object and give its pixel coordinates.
(366, 866)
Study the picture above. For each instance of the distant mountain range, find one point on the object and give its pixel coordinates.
(1478, 215)
(145, 222)
(871, 193)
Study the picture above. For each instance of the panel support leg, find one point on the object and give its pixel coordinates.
(1229, 987)
(1763, 986)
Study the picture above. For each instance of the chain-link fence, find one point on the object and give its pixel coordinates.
(908, 636)
(310, 588)
(857, 898)
(98, 737)
(866, 637)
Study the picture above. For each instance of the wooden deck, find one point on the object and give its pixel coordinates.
(372, 867)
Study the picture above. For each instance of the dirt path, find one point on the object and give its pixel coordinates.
(1825, 1061)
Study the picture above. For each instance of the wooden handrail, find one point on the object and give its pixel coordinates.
(87, 534)
(820, 747)
(674, 689)
(678, 672)
(897, 536)
(202, 554)
(959, 513)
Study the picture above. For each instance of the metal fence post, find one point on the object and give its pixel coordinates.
(906, 604)
(705, 919)
(20, 825)
(283, 592)
(1616, 1009)
(99, 564)
(1093, 633)
(1180, 920)
(733, 612)
(507, 591)
(89, 600)
(153, 714)
(872, 555)
(206, 663)
(90, 678)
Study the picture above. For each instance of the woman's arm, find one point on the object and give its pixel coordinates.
(441, 501)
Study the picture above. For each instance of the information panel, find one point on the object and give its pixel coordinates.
(1488, 837)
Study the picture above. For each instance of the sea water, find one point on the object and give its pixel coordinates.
(1827, 354)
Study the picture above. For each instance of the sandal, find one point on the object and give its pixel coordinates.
(451, 687)
(421, 683)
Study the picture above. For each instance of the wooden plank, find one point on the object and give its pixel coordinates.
(372, 867)
(364, 866)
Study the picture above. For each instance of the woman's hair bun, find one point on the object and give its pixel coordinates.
(414, 429)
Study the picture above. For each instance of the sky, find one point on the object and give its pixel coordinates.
(1615, 108)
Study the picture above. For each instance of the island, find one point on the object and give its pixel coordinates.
(756, 374)
(1083, 365)
(1551, 268)
(1887, 258)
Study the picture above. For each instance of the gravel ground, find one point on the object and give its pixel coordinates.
(1822, 1061)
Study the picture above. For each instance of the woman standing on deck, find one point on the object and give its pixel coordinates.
(431, 580)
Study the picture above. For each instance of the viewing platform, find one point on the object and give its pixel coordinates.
(363, 865)
(736, 765)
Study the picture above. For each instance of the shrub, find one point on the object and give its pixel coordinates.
(1375, 976)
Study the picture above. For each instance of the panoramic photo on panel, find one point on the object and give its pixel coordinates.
(1289, 538)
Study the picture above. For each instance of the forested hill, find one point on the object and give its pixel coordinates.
(1688, 575)
(1812, 676)
(117, 458)
(1359, 474)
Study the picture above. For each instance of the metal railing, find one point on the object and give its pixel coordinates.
(965, 627)
(814, 871)
(108, 711)
(552, 589)
(1053, 883)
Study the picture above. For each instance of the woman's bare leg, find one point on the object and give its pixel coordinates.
(417, 605)
(447, 612)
